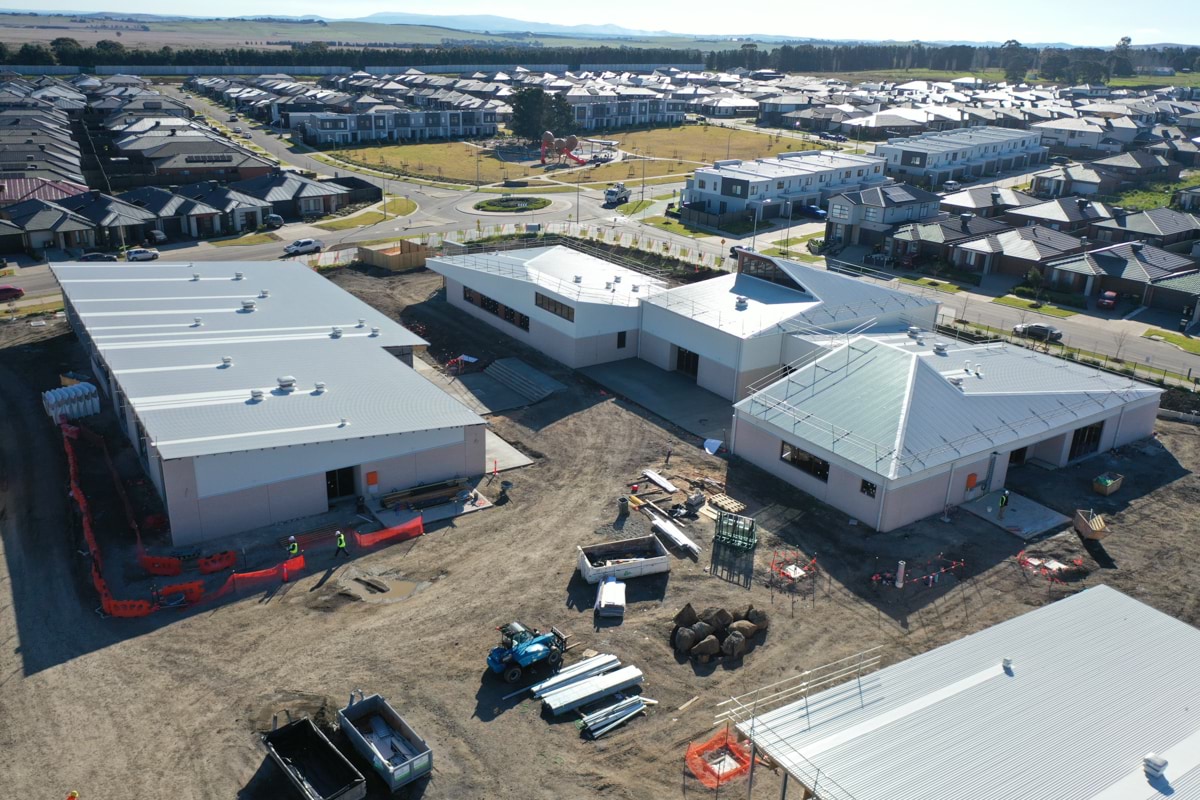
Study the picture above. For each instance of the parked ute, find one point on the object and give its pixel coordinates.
(302, 246)
(1107, 300)
(1038, 330)
(141, 254)
(98, 257)
(8, 293)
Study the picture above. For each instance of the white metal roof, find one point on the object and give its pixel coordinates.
(556, 268)
(1097, 681)
(141, 318)
(828, 302)
(897, 407)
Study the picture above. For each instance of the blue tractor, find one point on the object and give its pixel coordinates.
(521, 648)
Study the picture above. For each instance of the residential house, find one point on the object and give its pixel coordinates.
(46, 225)
(1067, 214)
(15, 190)
(766, 186)
(176, 215)
(1074, 179)
(1139, 168)
(985, 201)
(1161, 227)
(292, 195)
(867, 217)
(117, 223)
(1129, 268)
(1088, 133)
(936, 157)
(933, 240)
(239, 212)
(1188, 199)
(1013, 252)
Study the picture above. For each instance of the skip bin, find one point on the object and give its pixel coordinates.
(314, 766)
(382, 737)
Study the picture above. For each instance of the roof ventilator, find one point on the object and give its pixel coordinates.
(940, 347)
(264, 293)
(344, 423)
(361, 322)
(249, 305)
(195, 276)
(635, 288)
(238, 276)
(257, 395)
(336, 333)
(319, 387)
(616, 278)
(741, 304)
(579, 279)
(374, 331)
(913, 331)
(286, 383)
(1155, 765)
(608, 285)
(197, 322)
(226, 361)
(956, 380)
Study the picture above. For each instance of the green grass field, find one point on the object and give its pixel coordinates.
(936, 285)
(629, 209)
(1186, 343)
(248, 239)
(1028, 305)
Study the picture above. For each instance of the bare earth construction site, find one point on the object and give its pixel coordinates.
(173, 704)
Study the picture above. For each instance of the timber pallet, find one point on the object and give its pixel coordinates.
(726, 503)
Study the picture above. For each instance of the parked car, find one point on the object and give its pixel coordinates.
(951, 186)
(8, 293)
(837, 137)
(1107, 300)
(141, 254)
(816, 212)
(274, 221)
(302, 246)
(156, 236)
(1038, 330)
(233, 117)
(237, 130)
(1060, 160)
(98, 257)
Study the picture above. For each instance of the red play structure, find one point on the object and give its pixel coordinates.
(560, 147)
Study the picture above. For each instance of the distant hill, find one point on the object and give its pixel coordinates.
(495, 24)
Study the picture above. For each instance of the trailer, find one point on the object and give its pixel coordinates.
(382, 737)
(628, 558)
(312, 764)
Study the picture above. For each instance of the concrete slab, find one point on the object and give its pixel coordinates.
(503, 456)
(397, 516)
(671, 395)
(1022, 517)
(478, 391)
(534, 377)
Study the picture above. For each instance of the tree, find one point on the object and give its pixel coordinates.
(1015, 60)
(558, 116)
(1055, 67)
(1035, 281)
(1120, 63)
(64, 43)
(107, 47)
(528, 107)
(35, 55)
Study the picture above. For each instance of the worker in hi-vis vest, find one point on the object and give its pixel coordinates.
(293, 547)
(340, 538)
(1003, 502)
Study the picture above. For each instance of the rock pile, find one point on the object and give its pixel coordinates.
(716, 632)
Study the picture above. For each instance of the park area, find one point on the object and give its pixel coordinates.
(172, 705)
(652, 153)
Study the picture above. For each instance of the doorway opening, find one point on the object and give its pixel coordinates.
(339, 483)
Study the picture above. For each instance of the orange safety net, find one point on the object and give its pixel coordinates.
(192, 591)
(397, 533)
(217, 562)
(166, 566)
(719, 760)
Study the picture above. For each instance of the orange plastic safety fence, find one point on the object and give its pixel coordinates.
(161, 565)
(126, 608)
(702, 760)
(192, 591)
(217, 562)
(397, 533)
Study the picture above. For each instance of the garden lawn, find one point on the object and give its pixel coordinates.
(629, 209)
(248, 239)
(933, 283)
(707, 143)
(356, 221)
(1028, 305)
(450, 161)
(1186, 343)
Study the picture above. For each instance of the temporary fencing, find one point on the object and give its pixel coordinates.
(166, 566)
(719, 760)
(396, 533)
(217, 562)
(192, 591)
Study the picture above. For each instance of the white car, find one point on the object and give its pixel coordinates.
(141, 254)
(302, 246)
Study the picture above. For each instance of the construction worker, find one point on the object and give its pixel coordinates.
(1003, 502)
(293, 547)
(72, 795)
(340, 538)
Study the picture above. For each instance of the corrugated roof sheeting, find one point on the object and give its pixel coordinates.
(1097, 681)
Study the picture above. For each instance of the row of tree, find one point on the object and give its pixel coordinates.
(1075, 64)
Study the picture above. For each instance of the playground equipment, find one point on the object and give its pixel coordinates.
(521, 647)
(560, 148)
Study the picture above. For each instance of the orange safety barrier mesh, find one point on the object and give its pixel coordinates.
(127, 608)
(166, 566)
(294, 564)
(719, 760)
(192, 591)
(241, 579)
(217, 562)
(397, 533)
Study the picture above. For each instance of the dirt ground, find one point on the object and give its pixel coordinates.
(171, 706)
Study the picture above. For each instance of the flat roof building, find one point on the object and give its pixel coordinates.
(937, 157)
(259, 392)
(1067, 701)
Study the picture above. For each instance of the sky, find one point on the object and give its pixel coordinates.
(1095, 23)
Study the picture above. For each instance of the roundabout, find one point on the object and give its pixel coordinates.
(511, 204)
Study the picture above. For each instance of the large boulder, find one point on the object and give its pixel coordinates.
(744, 628)
(684, 639)
(719, 618)
(734, 645)
(709, 646)
(703, 629)
(758, 617)
(686, 617)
